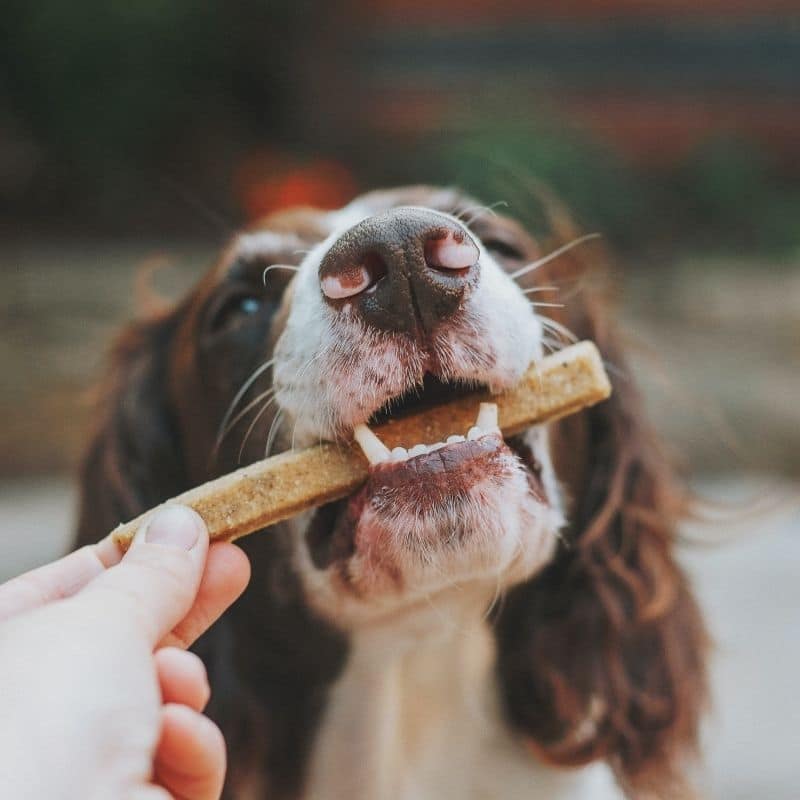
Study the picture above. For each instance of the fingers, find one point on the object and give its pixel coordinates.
(56, 581)
(182, 678)
(62, 578)
(190, 758)
(225, 577)
(108, 551)
(155, 584)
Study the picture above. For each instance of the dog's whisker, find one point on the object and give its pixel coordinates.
(556, 342)
(271, 391)
(243, 413)
(480, 211)
(273, 432)
(550, 346)
(277, 266)
(547, 305)
(556, 327)
(555, 254)
(301, 372)
(541, 289)
(253, 425)
(616, 371)
(256, 374)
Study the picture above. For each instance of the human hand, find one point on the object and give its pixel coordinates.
(98, 697)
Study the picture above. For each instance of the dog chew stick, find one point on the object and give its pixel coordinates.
(266, 492)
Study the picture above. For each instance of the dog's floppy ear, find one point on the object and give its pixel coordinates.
(133, 461)
(602, 654)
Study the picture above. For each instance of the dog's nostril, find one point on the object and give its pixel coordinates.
(451, 251)
(353, 279)
(376, 268)
(404, 270)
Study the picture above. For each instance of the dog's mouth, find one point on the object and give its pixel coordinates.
(432, 391)
(443, 471)
(424, 486)
(378, 454)
(434, 471)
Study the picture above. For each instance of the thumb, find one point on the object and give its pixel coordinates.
(155, 584)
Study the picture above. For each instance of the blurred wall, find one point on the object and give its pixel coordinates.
(128, 130)
(159, 116)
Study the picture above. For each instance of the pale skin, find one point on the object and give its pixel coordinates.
(99, 696)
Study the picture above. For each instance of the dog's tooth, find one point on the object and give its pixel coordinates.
(487, 417)
(417, 450)
(399, 454)
(434, 447)
(374, 449)
(455, 439)
(474, 433)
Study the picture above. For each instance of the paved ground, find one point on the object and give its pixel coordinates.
(747, 583)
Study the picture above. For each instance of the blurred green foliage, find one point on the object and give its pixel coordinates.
(731, 190)
(117, 95)
(727, 196)
(517, 163)
(107, 88)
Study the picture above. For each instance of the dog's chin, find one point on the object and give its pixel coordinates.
(468, 514)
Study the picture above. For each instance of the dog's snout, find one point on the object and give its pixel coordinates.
(403, 269)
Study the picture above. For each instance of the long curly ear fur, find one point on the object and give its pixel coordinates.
(602, 654)
(133, 461)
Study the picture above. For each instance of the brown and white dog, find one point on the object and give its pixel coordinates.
(511, 624)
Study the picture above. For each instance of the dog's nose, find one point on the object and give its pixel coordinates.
(404, 269)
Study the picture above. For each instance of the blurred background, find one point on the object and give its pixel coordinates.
(145, 133)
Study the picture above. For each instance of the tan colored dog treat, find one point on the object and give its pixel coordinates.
(277, 488)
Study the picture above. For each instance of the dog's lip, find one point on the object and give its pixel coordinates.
(444, 463)
(440, 462)
(428, 482)
(431, 480)
(448, 465)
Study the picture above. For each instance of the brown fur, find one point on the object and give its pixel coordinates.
(609, 630)
(608, 634)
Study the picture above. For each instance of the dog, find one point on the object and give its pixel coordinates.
(513, 626)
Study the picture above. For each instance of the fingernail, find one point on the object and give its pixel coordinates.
(174, 526)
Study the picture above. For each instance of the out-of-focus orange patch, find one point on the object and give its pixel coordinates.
(266, 183)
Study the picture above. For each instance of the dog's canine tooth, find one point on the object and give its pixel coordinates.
(455, 439)
(475, 433)
(487, 418)
(374, 449)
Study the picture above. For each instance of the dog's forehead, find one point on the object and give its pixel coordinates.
(289, 232)
(449, 200)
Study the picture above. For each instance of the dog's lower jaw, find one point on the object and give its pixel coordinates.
(415, 716)
(383, 553)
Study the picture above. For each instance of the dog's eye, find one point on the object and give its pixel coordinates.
(248, 305)
(503, 249)
(234, 308)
